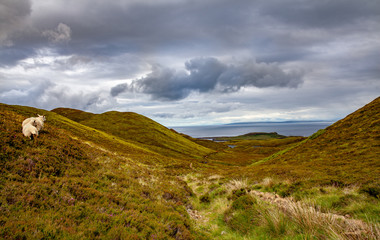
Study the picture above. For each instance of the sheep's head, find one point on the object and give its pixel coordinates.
(42, 117)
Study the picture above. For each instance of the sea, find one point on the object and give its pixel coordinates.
(293, 128)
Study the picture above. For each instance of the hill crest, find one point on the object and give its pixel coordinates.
(138, 129)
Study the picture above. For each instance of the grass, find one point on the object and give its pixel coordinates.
(235, 211)
(345, 153)
(134, 179)
(77, 182)
(139, 130)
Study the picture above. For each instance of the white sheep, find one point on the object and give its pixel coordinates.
(30, 129)
(39, 121)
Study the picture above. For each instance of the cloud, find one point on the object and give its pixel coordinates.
(164, 115)
(95, 46)
(48, 95)
(13, 15)
(119, 89)
(321, 14)
(209, 74)
(60, 35)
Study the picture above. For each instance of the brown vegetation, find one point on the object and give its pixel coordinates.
(123, 176)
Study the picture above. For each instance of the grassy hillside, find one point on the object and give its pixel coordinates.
(140, 130)
(75, 182)
(73, 114)
(347, 152)
(123, 176)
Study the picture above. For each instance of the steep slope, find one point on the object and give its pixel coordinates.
(347, 152)
(139, 130)
(76, 182)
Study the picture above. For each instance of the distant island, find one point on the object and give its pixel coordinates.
(287, 121)
(248, 136)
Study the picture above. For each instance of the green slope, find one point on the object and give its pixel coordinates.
(76, 182)
(140, 130)
(347, 152)
(119, 181)
(73, 114)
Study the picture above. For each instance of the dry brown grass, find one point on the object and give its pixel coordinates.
(317, 223)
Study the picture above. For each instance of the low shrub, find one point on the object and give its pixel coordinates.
(371, 190)
(244, 202)
(237, 193)
(205, 198)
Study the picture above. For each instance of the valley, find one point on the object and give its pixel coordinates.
(123, 176)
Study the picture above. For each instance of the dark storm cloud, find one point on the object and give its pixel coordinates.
(138, 26)
(111, 27)
(323, 13)
(268, 29)
(209, 74)
(13, 14)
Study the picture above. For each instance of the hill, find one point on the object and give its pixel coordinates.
(134, 179)
(76, 182)
(347, 152)
(139, 130)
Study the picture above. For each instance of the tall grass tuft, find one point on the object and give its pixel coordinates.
(319, 224)
(275, 223)
(236, 184)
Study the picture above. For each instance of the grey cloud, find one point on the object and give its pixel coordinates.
(173, 115)
(13, 14)
(186, 115)
(78, 60)
(119, 89)
(48, 95)
(119, 26)
(61, 34)
(10, 56)
(321, 14)
(209, 74)
(164, 115)
(105, 41)
(71, 62)
(192, 28)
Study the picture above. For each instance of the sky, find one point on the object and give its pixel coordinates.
(192, 62)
